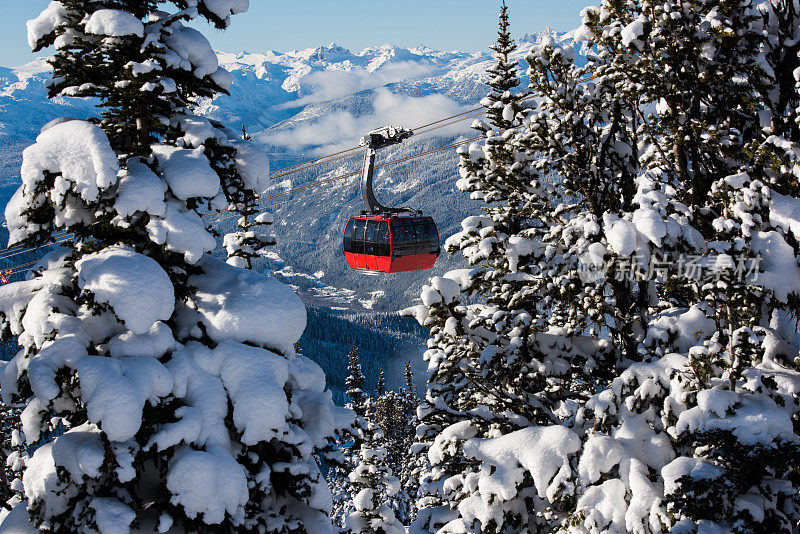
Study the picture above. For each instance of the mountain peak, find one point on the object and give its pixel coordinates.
(536, 38)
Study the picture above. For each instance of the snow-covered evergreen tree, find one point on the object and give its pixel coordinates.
(250, 240)
(391, 413)
(155, 358)
(410, 466)
(373, 485)
(380, 387)
(625, 269)
(503, 101)
(349, 442)
(10, 453)
(720, 349)
(506, 374)
(356, 398)
(408, 375)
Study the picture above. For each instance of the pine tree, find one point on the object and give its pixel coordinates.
(145, 362)
(712, 205)
(11, 453)
(587, 289)
(503, 102)
(355, 383)
(408, 374)
(390, 413)
(373, 485)
(380, 388)
(249, 241)
(349, 442)
(512, 370)
(409, 468)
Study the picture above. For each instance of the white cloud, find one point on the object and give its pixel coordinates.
(325, 85)
(341, 130)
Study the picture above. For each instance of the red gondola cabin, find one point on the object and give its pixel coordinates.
(391, 244)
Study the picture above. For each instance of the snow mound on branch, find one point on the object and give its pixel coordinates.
(632, 32)
(187, 172)
(112, 516)
(182, 232)
(115, 391)
(784, 212)
(754, 420)
(244, 306)
(156, 342)
(779, 271)
(133, 285)
(689, 326)
(14, 299)
(540, 450)
(80, 157)
(320, 416)
(140, 190)
(80, 451)
(621, 235)
(54, 15)
(225, 8)
(114, 23)
(697, 468)
(650, 224)
(18, 521)
(208, 483)
(604, 504)
(54, 355)
(194, 53)
(253, 164)
(79, 151)
(254, 379)
(40, 479)
(197, 130)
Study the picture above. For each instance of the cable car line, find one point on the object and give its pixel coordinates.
(312, 185)
(344, 153)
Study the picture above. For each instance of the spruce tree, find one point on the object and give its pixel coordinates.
(380, 387)
(587, 290)
(721, 330)
(502, 103)
(145, 362)
(349, 441)
(408, 460)
(356, 398)
(391, 413)
(373, 484)
(408, 374)
(513, 369)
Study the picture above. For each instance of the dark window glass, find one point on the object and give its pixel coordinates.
(422, 232)
(348, 236)
(403, 244)
(383, 239)
(412, 235)
(372, 238)
(358, 236)
(434, 237)
(421, 238)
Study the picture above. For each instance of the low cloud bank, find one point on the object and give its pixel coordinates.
(340, 130)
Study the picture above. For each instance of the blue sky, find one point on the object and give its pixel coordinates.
(295, 24)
